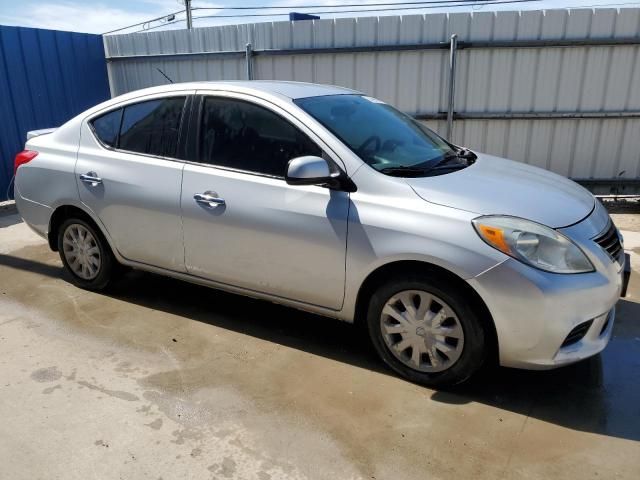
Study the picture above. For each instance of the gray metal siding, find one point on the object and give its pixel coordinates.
(589, 79)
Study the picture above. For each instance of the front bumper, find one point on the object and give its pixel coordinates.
(593, 342)
(535, 311)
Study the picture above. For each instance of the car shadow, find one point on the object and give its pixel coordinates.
(26, 264)
(600, 395)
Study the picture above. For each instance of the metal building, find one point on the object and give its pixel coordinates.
(559, 88)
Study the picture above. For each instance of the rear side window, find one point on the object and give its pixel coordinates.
(107, 127)
(245, 136)
(152, 127)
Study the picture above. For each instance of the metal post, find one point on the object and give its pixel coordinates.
(452, 84)
(249, 60)
(187, 6)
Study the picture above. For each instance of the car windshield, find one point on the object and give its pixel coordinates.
(383, 137)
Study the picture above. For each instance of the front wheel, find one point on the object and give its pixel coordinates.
(85, 254)
(425, 329)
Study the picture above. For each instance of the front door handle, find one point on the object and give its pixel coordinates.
(209, 199)
(91, 178)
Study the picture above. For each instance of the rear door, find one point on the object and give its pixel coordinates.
(262, 234)
(129, 176)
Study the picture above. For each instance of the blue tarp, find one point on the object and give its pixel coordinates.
(46, 78)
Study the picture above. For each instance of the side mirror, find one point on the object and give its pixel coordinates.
(308, 170)
(312, 170)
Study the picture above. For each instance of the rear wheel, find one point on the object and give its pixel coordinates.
(85, 254)
(425, 330)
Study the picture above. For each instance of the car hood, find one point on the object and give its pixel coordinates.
(496, 186)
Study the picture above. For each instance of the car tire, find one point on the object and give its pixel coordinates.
(85, 254)
(436, 305)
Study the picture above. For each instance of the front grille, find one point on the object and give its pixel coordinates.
(577, 334)
(610, 242)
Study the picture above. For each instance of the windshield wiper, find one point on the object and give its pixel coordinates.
(441, 165)
(404, 171)
(466, 154)
(412, 171)
(459, 154)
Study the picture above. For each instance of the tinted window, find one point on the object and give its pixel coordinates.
(152, 127)
(107, 127)
(381, 135)
(248, 137)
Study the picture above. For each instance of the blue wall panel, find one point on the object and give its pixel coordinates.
(46, 78)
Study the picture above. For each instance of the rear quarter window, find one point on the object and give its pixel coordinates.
(107, 126)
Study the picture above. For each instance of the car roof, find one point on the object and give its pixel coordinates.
(286, 89)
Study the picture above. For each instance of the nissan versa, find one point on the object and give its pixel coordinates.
(327, 200)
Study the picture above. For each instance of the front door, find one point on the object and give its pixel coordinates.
(244, 225)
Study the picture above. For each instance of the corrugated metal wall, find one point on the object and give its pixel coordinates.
(46, 77)
(576, 79)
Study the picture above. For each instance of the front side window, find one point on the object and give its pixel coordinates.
(244, 136)
(379, 134)
(107, 126)
(152, 127)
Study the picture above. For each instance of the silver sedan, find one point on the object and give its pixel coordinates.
(327, 200)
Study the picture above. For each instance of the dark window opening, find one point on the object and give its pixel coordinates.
(152, 127)
(107, 127)
(244, 136)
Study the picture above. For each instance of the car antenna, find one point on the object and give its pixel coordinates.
(164, 75)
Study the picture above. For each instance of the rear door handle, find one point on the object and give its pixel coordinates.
(209, 199)
(91, 178)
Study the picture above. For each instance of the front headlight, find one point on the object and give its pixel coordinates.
(533, 244)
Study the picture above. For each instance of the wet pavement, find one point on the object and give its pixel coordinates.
(163, 379)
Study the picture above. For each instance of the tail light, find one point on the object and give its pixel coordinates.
(23, 157)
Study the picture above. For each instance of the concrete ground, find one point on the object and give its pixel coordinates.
(162, 379)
